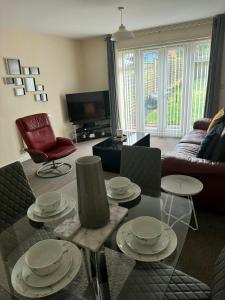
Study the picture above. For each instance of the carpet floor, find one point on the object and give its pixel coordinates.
(201, 247)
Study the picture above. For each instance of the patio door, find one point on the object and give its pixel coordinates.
(162, 90)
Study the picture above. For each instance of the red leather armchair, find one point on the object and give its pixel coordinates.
(183, 160)
(43, 146)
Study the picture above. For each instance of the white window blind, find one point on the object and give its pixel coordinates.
(162, 90)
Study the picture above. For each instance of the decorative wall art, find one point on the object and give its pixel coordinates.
(8, 80)
(13, 66)
(29, 84)
(37, 97)
(18, 81)
(19, 91)
(44, 97)
(26, 70)
(34, 71)
(39, 87)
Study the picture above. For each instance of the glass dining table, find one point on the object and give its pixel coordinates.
(120, 276)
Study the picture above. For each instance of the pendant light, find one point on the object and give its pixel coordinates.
(122, 33)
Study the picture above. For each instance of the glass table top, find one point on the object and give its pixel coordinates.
(122, 270)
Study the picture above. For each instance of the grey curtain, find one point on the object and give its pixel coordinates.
(114, 110)
(216, 55)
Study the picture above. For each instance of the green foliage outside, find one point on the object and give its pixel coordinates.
(174, 104)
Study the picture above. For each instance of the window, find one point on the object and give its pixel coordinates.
(162, 90)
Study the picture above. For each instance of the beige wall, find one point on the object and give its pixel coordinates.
(59, 60)
(94, 64)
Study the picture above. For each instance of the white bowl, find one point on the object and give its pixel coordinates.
(44, 257)
(146, 230)
(119, 185)
(48, 202)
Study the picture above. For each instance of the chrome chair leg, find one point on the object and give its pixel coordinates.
(53, 169)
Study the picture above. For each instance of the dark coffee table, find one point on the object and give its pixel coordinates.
(110, 149)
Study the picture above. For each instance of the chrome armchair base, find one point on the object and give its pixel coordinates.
(53, 169)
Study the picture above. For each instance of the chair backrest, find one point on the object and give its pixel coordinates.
(218, 289)
(37, 132)
(143, 166)
(15, 194)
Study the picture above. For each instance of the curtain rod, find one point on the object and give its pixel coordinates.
(163, 44)
(172, 27)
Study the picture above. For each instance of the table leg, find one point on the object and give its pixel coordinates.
(97, 273)
(195, 227)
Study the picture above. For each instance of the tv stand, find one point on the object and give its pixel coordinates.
(91, 130)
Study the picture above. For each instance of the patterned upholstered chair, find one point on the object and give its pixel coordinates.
(15, 198)
(150, 281)
(143, 166)
(15, 194)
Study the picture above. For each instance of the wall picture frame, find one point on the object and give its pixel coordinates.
(26, 70)
(37, 97)
(13, 66)
(29, 84)
(18, 81)
(44, 97)
(19, 91)
(8, 80)
(34, 71)
(39, 87)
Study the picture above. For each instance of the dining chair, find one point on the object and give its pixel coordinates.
(15, 197)
(142, 165)
(160, 281)
(43, 146)
(15, 194)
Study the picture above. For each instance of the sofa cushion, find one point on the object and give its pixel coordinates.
(219, 152)
(208, 144)
(217, 119)
(194, 137)
(186, 149)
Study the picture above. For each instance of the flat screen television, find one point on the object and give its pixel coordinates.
(88, 107)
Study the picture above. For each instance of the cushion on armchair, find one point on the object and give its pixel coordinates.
(219, 152)
(210, 141)
(217, 119)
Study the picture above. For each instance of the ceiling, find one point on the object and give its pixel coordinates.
(87, 18)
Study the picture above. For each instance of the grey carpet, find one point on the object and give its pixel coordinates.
(201, 247)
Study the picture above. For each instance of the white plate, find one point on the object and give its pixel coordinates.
(62, 206)
(71, 205)
(34, 292)
(112, 195)
(120, 239)
(34, 280)
(148, 249)
(136, 193)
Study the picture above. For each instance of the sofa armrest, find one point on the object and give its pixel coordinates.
(191, 166)
(63, 141)
(202, 123)
(37, 156)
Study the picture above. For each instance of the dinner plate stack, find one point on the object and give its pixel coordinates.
(121, 189)
(47, 267)
(146, 239)
(50, 206)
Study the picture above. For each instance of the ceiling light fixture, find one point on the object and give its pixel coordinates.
(122, 33)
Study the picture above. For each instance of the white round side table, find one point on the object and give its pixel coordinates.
(181, 185)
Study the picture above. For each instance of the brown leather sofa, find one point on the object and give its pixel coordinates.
(183, 160)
